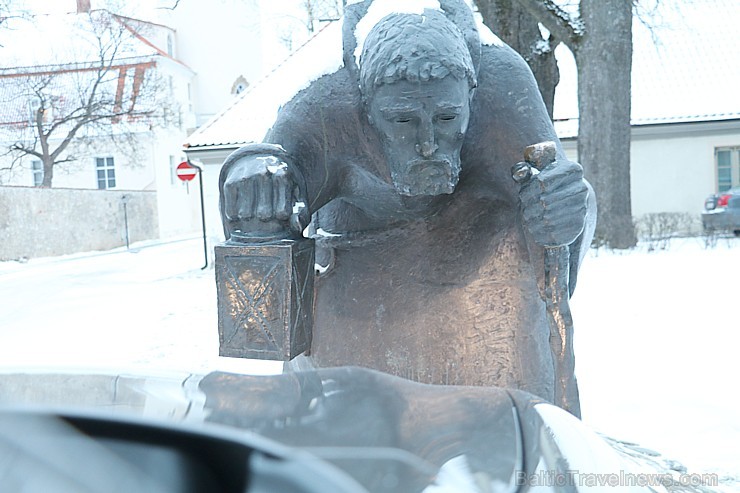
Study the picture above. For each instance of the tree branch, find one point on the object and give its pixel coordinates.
(561, 24)
(67, 159)
(22, 149)
(176, 3)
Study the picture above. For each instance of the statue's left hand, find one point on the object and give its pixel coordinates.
(553, 204)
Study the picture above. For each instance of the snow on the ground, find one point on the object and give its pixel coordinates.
(657, 333)
(150, 307)
(657, 340)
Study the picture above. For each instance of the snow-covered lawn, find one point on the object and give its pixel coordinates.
(657, 334)
(658, 349)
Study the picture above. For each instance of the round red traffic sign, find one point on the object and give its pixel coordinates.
(185, 172)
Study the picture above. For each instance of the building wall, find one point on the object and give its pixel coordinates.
(178, 202)
(131, 172)
(37, 222)
(151, 169)
(675, 172)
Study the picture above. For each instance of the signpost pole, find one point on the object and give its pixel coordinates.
(124, 200)
(202, 214)
(185, 173)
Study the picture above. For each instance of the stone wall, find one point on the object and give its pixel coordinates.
(41, 222)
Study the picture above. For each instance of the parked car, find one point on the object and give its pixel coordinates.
(722, 212)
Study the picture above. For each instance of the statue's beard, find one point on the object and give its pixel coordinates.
(426, 176)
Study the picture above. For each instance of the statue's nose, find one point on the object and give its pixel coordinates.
(426, 146)
(427, 149)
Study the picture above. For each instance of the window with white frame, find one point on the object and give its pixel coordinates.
(38, 172)
(105, 168)
(727, 160)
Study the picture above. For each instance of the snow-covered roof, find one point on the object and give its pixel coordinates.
(252, 113)
(684, 70)
(692, 73)
(58, 40)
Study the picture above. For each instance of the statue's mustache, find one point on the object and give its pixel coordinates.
(426, 176)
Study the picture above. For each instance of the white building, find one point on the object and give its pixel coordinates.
(54, 62)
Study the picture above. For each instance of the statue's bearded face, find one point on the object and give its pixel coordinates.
(422, 126)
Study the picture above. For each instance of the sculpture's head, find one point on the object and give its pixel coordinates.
(417, 80)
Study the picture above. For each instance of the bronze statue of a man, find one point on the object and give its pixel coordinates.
(435, 255)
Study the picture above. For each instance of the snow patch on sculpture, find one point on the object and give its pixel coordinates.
(487, 38)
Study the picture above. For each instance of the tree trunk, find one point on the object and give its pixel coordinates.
(47, 164)
(604, 59)
(519, 29)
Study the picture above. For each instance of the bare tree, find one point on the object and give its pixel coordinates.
(294, 25)
(9, 10)
(599, 33)
(113, 96)
(322, 10)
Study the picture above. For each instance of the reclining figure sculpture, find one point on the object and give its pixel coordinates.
(436, 265)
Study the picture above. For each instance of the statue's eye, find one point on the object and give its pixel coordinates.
(446, 118)
(403, 119)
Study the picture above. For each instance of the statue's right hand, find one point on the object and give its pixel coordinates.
(259, 194)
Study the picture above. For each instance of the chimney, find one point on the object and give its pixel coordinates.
(83, 6)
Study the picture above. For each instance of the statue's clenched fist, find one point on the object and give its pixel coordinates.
(553, 199)
(264, 195)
